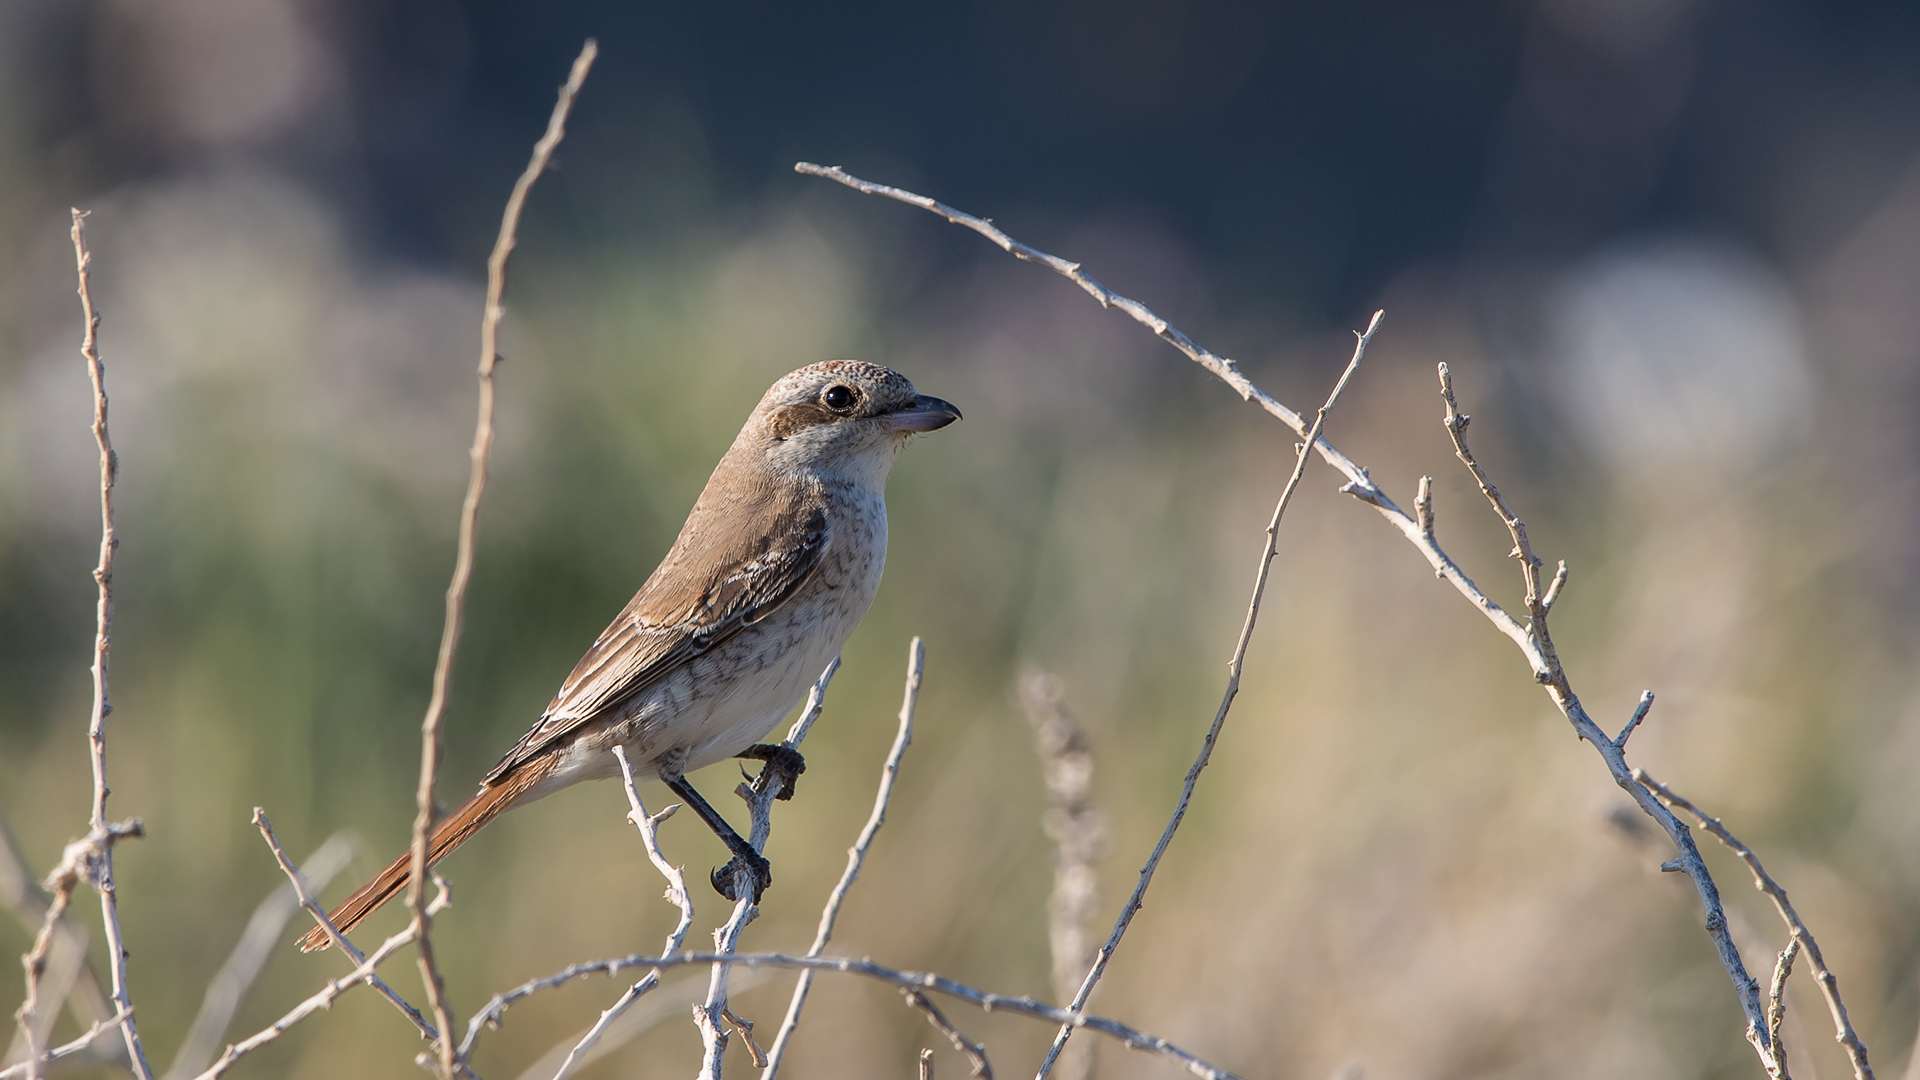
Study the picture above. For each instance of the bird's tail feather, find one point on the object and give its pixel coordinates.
(449, 833)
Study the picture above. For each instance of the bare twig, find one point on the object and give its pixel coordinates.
(79, 1045)
(669, 1001)
(250, 953)
(1418, 531)
(463, 558)
(759, 797)
(1639, 711)
(324, 998)
(926, 1064)
(1536, 642)
(1234, 666)
(976, 1053)
(857, 854)
(28, 1015)
(1777, 1007)
(649, 826)
(745, 1028)
(914, 980)
(65, 973)
(1553, 590)
(304, 895)
(90, 858)
(1829, 983)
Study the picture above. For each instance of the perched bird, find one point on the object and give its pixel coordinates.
(775, 566)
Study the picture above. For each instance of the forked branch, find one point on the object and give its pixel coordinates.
(1803, 937)
(1530, 636)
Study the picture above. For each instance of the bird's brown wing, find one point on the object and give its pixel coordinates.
(702, 594)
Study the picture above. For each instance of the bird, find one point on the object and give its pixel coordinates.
(776, 565)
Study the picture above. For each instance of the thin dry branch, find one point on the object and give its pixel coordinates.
(1639, 711)
(28, 1015)
(913, 980)
(926, 1064)
(65, 974)
(251, 952)
(1270, 548)
(1537, 643)
(91, 857)
(346, 948)
(79, 1045)
(669, 1001)
(324, 998)
(649, 826)
(1763, 881)
(759, 796)
(976, 1053)
(1419, 532)
(463, 558)
(856, 855)
(1777, 1007)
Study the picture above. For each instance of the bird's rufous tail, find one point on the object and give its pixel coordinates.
(448, 833)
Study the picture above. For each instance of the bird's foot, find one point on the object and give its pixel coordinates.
(727, 879)
(785, 762)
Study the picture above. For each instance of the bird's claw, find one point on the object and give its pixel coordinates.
(785, 762)
(726, 879)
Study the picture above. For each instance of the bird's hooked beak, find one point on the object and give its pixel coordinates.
(925, 414)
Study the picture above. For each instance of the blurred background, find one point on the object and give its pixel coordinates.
(1671, 249)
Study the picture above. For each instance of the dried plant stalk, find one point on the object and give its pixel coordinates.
(463, 557)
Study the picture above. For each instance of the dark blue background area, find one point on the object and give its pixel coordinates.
(1309, 152)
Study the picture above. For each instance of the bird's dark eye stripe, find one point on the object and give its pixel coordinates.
(838, 397)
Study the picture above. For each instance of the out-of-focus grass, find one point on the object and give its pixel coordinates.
(1400, 857)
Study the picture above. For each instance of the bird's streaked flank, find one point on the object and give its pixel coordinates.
(774, 568)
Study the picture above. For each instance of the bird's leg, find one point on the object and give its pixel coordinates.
(785, 763)
(743, 854)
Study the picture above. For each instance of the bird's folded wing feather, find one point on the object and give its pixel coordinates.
(702, 594)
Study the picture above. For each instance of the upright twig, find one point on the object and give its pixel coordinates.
(90, 859)
(1417, 529)
(1763, 881)
(856, 855)
(649, 826)
(1777, 1007)
(250, 953)
(1268, 550)
(463, 558)
(709, 1016)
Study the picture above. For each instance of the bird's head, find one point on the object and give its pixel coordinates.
(845, 417)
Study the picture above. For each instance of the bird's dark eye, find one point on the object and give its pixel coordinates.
(838, 398)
